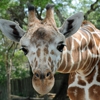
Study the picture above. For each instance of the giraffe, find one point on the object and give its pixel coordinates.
(73, 48)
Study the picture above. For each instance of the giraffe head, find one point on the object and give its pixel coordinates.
(43, 44)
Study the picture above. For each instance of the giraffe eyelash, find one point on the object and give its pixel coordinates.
(60, 46)
(24, 50)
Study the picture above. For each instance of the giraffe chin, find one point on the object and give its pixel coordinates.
(43, 86)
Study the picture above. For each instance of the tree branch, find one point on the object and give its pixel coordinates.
(39, 14)
(61, 19)
(59, 16)
(92, 8)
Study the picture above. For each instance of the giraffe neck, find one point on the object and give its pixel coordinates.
(81, 53)
(81, 59)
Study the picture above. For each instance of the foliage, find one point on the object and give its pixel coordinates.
(2, 70)
(20, 69)
(19, 61)
(39, 3)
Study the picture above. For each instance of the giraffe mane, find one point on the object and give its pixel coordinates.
(85, 22)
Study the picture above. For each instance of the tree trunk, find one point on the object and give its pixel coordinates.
(8, 70)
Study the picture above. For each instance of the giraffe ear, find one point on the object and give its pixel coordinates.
(72, 24)
(11, 30)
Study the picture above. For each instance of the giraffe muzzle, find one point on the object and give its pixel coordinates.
(43, 82)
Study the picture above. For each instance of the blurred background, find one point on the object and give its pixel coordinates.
(15, 73)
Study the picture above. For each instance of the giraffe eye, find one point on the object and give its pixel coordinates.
(60, 46)
(24, 50)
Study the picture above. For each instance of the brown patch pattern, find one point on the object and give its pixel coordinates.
(94, 92)
(71, 78)
(52, 52)
(76, 93)
(69, 43)
(38, 52)
(49, 59)
(75, 52)
(90, 77)
(68, 67)
(63, 64)
(36, 64)
(97, 39)
(98, 76)
(83, 44)
(81, 82)
(46, 50)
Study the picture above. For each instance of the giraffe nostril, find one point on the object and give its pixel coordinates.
(48, 74)
(37, 75)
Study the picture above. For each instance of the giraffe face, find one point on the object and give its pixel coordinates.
(43, 43)
(41, 48)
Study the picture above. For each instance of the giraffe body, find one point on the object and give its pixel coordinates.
(68, 49)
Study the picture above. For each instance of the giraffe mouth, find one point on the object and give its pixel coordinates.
(43, 84)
